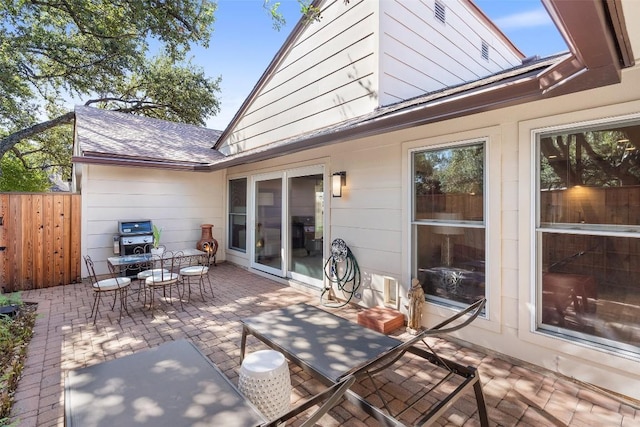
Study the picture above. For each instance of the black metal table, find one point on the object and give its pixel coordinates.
(172, 385)
(330, 347)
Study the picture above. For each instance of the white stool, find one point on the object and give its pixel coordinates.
(265, 381)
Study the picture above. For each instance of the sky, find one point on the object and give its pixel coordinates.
(244, 42)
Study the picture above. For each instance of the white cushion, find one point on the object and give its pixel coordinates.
(156, 271)
(158, 280)
(194, 270)
(112, 284)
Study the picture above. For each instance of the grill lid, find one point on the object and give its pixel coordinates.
(134, 228)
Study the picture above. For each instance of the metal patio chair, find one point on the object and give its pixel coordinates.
(114, 284)
(147, 268)
(167, 277)
(199, 271)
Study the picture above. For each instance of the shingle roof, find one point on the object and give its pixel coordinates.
(113, 134)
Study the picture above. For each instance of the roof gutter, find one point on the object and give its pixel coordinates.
(589, 32)
(119, 161)
(507, 94)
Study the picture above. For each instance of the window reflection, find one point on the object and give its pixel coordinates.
(238, 214)
(589, 285)
(589, 180)
(449, 232)
(591, 177)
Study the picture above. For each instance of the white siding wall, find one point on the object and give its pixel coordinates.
(178, 202)
(328, 76)
(372, 217)
(419, 54)
(364, 54)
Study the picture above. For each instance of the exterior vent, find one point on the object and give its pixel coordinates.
(485, 50)
(439, 11)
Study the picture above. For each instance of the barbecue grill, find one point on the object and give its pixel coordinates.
(131, 235)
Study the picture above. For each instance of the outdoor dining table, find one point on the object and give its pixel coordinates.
(122, 261)
(120, 264)
(171, 385)
(330, 347)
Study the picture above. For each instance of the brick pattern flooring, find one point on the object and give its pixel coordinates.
(64, 339)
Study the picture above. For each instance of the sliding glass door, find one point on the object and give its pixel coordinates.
(305, 222)
(289, 224)
(268, 236)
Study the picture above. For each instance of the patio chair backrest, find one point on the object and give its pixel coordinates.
(168, 264)
(90, 269)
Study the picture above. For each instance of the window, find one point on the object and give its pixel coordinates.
(588, 234)
(238, 214)
(439, 11)
(448, 223)
(485, 50)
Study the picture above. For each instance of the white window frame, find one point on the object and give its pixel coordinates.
(491, 136)
(229, 248)
(555, 349)
(590, 230)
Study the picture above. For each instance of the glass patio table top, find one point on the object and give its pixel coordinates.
(124, 260)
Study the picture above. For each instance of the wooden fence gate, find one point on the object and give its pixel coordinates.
(39, 240)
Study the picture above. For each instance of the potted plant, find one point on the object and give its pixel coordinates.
(157, 249)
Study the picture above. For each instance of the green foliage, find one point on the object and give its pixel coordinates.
(167, 91)
(13, 298)
(15, 334)
(15, 177)
(451, 170)
(308, 11)
(157, 232)
(97, 51)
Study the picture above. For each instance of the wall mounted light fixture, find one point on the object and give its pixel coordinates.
(338, 180)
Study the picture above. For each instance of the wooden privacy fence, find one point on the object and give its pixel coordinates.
(39, 240)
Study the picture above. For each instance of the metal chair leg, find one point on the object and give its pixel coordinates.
(94, 309)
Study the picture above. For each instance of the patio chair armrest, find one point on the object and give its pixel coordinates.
(330, 396)
(388, 358)
(474, 310)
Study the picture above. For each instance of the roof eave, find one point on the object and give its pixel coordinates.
(129, 162)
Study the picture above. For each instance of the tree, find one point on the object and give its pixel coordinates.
(17, 177)
(97, 51)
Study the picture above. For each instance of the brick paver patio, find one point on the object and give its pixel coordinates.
(64, 339)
